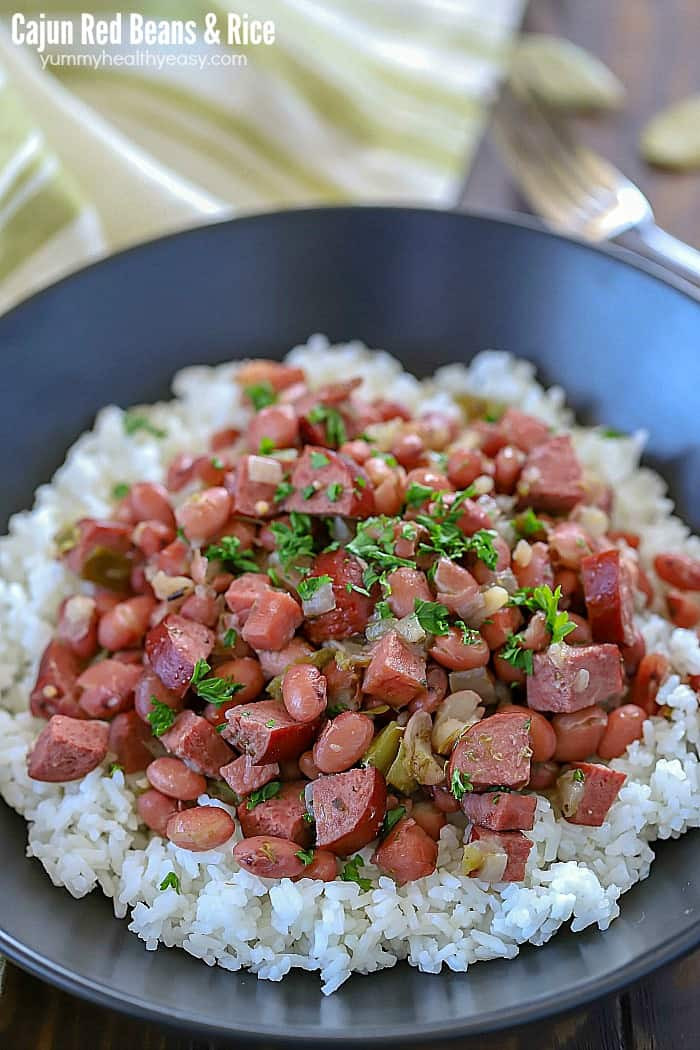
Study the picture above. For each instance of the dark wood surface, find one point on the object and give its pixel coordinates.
(653, 46)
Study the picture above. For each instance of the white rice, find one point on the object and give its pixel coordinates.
(86, 834)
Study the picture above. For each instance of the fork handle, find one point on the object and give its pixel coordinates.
(662, 247)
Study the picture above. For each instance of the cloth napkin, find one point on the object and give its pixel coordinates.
(356, 100)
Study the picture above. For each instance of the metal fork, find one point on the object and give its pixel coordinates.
(574, 189)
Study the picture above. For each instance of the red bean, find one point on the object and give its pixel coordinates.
(543, 775)
(125, 625)
(506, 672)
(343, 742)
(582, 635)
(464, 466)
(680, 570)
(270, 857)
(543, 740)
(538, 570)
(216, 713)
(389, 494)
(151, 537)
(307, 766)
(405, 586)
(276, 661)
(323, 867)
(429, 817)
(149, 502)
(204, 514)
(304, 692)
(652, 671)
(148, 686)
(77, 625)
(683, 610)
(508, 463)
(579, 733)
(502, 623)
(409, 450)
(450, 651)
(155, 809)
(173, 778)
(246, 671)
(571, 589)
(624, 725)
(276, 423)
(260, 370)
(201, 828)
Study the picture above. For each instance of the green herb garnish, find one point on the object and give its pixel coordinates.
(336, 434)
(114, 768)
(545, 599)
(266, 446)
(170, 881)
(432, 616)
(294, 540)
(309, 491)
(374, 543)
(261, 395)
(351, 873)
(228, 550)
(217, 463)
(319, 460)
(517, 656)
(230, 638)
(417, 494)
(460, 784)
(470, 636)
(308, 587)
(306, 856)
(284, 489)
(393, 816)
(121, 490)
(579, 775)
(527, 524)
(391, 461)
(263, 794)
(161, 717)
(134, 422)
(334, 491)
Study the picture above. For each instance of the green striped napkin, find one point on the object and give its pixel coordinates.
(356, 100)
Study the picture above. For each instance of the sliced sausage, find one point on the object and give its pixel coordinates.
(128, 740)
(501, 810)
(396, 672)
(326, 482)
(270, 857)
(254, 499)
(267, 732)
(343, 741)
(243, 777)
(55, 690)
(552, 478)
(272, 621)
(567, 678)
(108, 688)
(349, 809)
(244, 592)
(494, 752)
(201, 828)
(352, 609)
(514, 844)
(608, 590)
(600, 786)
(283, 816)
(174, 646)
(67, 749)
(407, 853)
(193, 739)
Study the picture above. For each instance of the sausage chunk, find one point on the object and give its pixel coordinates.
(326, 482)
(608, 590)
(196, 741)
(522, 430)
(266, 732)
(283, 816)
(244, 592)
(349, 809)
(67, 749)
(501, 810)
(552, 478)
(396, 672)
(128, 740)
(243, 777)
(173, 648)
(352, 609)
(407, 853)
(254, 499)
(55, 691)
(495, 751)
(514, 844)
(567, 677)
(600, 788)
(272, 621)
(108, 688)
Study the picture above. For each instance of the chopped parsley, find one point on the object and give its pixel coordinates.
(210, 688)
(374, 543)
(393, 816)
(610, 432)
(228, 550)
(417, 494)
(230, 638)
(307, 817)
(351, 873)
(161, 717)
(481, 543)
(133, 423)
(308, 587)
(432, 616)
(335, 710)
(336, 434)
(350, 587)
(470, 636)
(545, 599)
(284, 489)
(391, 461)
(170, 881)
(319, 460)
(266, 446)
(261, 395)
(121, 490)
(309, 491)
(270, 723)
(114, 768)
(514, 653)
(217, 463)
(334, 491)
(360, 482)
(263, 794)
(528, 525)
(579, 775)
(383, 610)
(306, 856)
(294, 540)
(460, 784)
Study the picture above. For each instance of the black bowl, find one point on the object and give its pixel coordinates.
(430, 287)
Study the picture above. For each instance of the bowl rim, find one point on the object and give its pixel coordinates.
(546, 1006)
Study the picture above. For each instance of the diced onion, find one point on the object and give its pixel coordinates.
(425, 767)
(557, 654)
(340, 529)
(265, 469)
(166, 587)
(456, 713)
(483, 484)
(507, 580)
(494, 866)
(320, 602)
(594, 520)
(487, 862)
(581, 680)
(522, 555)
(494, 599)
(478, 679)
(378, 628)
(286, 455)
(309, 797)
(571, 788)
(410, 629)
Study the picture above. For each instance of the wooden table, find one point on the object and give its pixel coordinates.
(653, 46)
